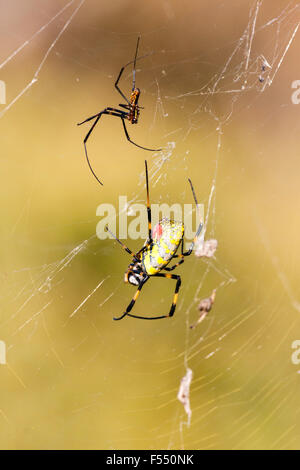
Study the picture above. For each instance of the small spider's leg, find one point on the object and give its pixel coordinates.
(173, 306)
(124, 67)
(119, 241)
(134, 298)
(148, 206)
(177, 287)
(128, 138)
(189, 251)
(146, 318)
(111, 111)
(116, 84)
(177, 256)
(144, 248)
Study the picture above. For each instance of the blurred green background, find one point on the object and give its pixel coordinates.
(74, 378)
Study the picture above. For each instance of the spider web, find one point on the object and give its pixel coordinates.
(218, 99)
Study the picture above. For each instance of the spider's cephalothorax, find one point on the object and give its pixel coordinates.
(159, 249)
(166, 238)
(130, 111)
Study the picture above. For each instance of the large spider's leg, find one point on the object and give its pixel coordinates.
(104, 111)
(134, 298)
(173, 306)
(122, 70)
(111, 111)
(189, 251)
(131, 141)
(117, 81)
(134, 63)
(177, 287)
(148, 206)
(177, 256)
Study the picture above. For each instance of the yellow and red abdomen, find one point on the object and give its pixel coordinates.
(167, 236)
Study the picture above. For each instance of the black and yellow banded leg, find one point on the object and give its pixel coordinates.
(173, 306)
(117, 82)
(111, 111)
(134, 299)
(108, 110)
(148, 205)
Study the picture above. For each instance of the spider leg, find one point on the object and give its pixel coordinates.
(177, 264)
(85, 149)
(189, 251)
(122, 70)
(111, 111)
(185, 253)
(88, 119)
(177, 287)
(173, 306)
(137, 145)
(117, 81)
(124, 67)
(98, 115)
(134, 63)
(134, 298)
(138, 254)
(149, 239)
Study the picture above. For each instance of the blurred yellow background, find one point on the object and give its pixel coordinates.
(75, 379)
